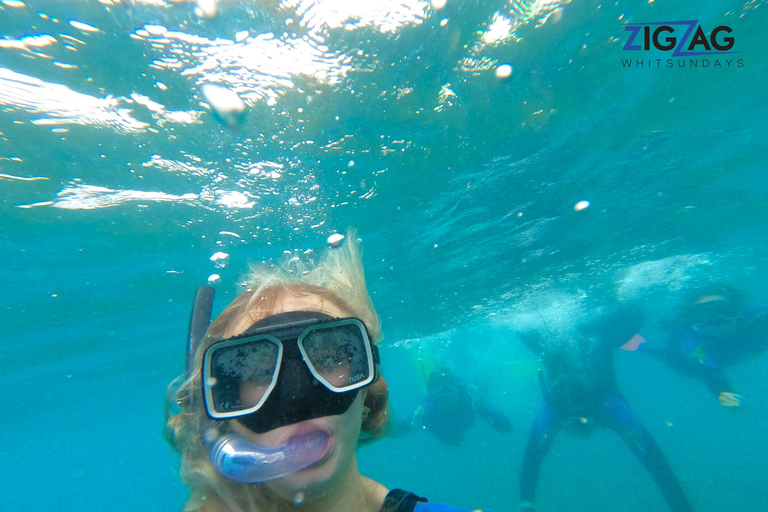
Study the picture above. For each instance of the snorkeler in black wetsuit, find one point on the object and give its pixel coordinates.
(449, 409)
(713, 330)
(578, 381)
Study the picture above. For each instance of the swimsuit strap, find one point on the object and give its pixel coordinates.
(398, 500)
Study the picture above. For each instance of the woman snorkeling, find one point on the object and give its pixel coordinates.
(281, 389)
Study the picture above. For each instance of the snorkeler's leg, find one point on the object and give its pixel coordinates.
(540, 440)
(620, 418)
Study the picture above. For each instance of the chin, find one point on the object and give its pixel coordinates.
(312, 481)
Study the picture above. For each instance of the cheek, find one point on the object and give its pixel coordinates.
(350, 423)
(251, 393)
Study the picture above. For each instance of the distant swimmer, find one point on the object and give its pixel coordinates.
(713, 329)
(449, 409)
(578, 381)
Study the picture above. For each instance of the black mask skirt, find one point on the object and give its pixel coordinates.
(297, 395)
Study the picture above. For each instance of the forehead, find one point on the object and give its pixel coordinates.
(307, 303)
(705, 299)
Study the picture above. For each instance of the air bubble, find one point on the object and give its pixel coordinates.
(335, 239)
(221, 259)
(504, 71)
(206, 9)
(437, 4)
(581, 205)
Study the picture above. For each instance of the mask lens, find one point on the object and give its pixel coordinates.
(339, 354)
(240, 374)
(713, 314)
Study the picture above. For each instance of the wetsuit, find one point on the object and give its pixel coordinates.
(696, 354)
(402, 501)
(450, 424)
(578, 381)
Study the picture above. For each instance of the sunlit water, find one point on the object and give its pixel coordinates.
(119, 184)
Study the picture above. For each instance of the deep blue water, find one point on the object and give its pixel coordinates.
(117, 185)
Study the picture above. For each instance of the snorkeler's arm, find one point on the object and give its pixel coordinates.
(712, 376)
(753, 340)
(717, 383)
(495, 418)
(408, 422)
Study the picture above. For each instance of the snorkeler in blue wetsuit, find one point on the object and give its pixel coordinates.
(713, 330)
(450, 408)
(579, 386)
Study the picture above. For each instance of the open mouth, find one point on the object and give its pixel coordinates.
(313, 445)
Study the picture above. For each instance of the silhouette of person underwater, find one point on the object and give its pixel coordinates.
(578, 382)
(449, 409)
(714, 329)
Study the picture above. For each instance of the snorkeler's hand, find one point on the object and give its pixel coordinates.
(499, 421)
(728, 399)
(417, 421)
(526, 506)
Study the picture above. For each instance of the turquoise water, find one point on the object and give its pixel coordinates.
(119, 185)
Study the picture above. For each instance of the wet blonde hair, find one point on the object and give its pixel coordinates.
(337, 278)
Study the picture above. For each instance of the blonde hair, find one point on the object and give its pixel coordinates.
(338, 279)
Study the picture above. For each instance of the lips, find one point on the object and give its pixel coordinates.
(310, 444)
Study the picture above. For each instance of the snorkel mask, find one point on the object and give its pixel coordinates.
(713, 314)
(284, 369)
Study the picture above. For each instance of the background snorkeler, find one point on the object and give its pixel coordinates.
(282, 389)
(714, 328)
(450, 407)
(578, 382)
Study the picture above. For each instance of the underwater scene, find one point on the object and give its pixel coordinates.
(562, 206)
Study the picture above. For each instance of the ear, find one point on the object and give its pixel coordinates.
(377, 400)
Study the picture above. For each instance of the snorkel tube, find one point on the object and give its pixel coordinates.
(199, 321)
(232, 455)
(241, 461)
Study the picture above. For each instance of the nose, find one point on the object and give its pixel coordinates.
(295, 382)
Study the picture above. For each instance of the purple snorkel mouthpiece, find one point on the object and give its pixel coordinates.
(241, 461)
